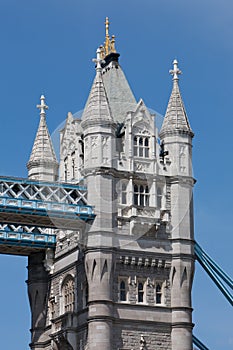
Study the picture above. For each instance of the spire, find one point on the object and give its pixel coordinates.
(175, 119)
(109, 44)
(97, 108)
(42, 151)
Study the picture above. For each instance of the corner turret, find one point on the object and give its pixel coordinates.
(176, 134)
(98, 124)
(176, 141)
(42, 164)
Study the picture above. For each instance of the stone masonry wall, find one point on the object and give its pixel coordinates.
(130, 338)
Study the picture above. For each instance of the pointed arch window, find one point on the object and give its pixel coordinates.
(140, 292)
(65, 169)
(73, 165)
(141, 146)
(68, 294)
(122, 290)
(158, 294)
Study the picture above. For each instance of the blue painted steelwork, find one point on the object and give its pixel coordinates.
(215, 266)
(17, 180)
(44, 208)
(49, 200)
(25, 239)
(215, 272)
(199, 344)
(44, 191)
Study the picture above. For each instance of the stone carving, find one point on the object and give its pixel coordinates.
(142, 343)
(62, 343)
(141, 166)
(182, 158)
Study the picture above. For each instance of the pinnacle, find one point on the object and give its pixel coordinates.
(176, 119)
(97, 108)
(42, 150)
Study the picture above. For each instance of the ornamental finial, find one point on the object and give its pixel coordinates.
(98, 59)
(42, 105)
(109, 45)
(175, 71)
(107, 40)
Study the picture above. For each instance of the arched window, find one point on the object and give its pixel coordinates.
(68, 294)
(158, 296)
(122, 290)
(140, 292)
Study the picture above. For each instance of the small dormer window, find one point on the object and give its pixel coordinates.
(141, 146)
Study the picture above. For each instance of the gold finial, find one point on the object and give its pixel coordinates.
(107, 36)
(109, 44)
(112, 44)
(102, 52)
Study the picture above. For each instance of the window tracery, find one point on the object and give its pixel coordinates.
(141, 146)
(141, 195)
(68, 294)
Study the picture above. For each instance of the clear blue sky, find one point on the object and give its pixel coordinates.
(47, 47)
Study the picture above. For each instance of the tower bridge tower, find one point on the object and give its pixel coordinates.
(123, 281)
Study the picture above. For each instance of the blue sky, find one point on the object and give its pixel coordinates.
(47, 47)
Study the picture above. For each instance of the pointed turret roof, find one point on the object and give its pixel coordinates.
(42, 150)
(97, 110)
(118, 93)
(175, 119)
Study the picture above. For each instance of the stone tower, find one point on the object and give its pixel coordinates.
(122, 282)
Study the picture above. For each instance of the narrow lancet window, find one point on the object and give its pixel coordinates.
(122, 291)
(123, 193)
(140, 292)
(158, 294)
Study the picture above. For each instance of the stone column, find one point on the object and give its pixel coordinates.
(99, 270)
(38, 288)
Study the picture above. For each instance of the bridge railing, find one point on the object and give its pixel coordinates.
(11, 187)
(25, 239)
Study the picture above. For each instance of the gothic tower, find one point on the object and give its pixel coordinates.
(122, 281)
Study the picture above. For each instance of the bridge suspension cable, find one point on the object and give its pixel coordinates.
(199, 344)
(215, 272)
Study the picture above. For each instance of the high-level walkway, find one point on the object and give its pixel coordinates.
(31, 210)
